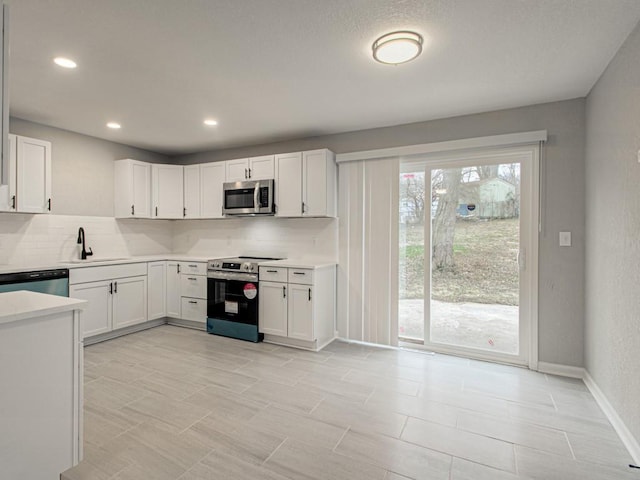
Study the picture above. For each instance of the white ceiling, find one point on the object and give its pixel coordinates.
(273, 70)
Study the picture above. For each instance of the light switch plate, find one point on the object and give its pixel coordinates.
(565, 239)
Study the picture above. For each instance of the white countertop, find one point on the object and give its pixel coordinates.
(97, 261)
(21, 305)
(299, 263)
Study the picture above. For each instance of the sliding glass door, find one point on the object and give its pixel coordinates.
(465, 230)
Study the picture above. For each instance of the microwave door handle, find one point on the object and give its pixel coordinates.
(256, 192)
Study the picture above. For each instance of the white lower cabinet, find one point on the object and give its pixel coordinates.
(97, 315)
(301, 311)
(117, 296)
(156, 290)
(128, 309)
(273, 308)
(173, 289)
(187, 291)
(194, 309)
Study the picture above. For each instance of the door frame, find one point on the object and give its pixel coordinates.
(529, 232)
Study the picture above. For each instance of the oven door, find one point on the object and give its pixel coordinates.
(234, 300)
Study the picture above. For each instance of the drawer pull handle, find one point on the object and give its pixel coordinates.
(192, 301)
(284, 292)
(299, 273)
(192, 278)
(272, 271)
(193, 266)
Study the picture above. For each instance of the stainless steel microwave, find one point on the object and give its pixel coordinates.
(249, 198)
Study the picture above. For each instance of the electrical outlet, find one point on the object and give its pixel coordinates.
(565, 239)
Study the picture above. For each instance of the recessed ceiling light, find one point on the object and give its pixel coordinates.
(210, 122)
(114, 125)
(65, 62)
(397, 47)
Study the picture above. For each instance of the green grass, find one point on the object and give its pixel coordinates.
(485, 270)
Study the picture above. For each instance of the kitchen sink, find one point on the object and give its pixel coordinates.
(97, 260)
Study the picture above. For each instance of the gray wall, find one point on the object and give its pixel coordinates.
(613, 233)
(81, 168)
(561, 301)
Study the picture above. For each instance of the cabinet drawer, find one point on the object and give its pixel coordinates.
(303, 276)
(193, 286)
(105, 272)
(197, 268)
(273, 274)
(194, 309)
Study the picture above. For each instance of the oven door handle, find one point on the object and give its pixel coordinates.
(237, 276)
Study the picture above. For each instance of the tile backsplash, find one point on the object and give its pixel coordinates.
(32, 240)
(44, 240)
(259, 236)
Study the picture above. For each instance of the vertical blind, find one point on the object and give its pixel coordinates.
(368, 246)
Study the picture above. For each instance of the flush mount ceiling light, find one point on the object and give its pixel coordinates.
(210, 122)
(65, 62)
(114, 125)
(397, 47)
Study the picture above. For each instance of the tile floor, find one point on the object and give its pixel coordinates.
(173, 403)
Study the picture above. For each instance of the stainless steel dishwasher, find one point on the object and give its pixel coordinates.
(53, 282)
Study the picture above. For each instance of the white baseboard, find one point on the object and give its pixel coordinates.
(623, 432)
(561, 370)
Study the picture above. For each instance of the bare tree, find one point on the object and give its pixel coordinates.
(444, 222)
(413, 193)
(488, 171)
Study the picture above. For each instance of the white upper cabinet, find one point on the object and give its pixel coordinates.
(192, 192)
(8, 199)
(255, 168)
(132, 192)
(29, 176)
(306, 184)
(288, 184)
(212, 177)
(318, 183)
(167, 184)
(237, 170)
(262, 168)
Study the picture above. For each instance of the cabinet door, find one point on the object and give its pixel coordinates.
(129, 301)
(212, 178)
(96, 317)
(167, 183)
(8, 190)
(262, 168)
(191, 191)
(237, 170)
(300, 307)
(173, 290)
(132, 189)
(289, 185)
(157, 288)
(33, 175)
(314, 183)
(273, 308)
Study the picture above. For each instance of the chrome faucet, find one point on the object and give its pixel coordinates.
(84, 253)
